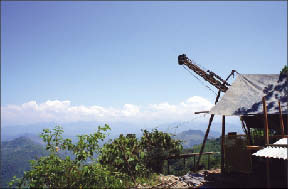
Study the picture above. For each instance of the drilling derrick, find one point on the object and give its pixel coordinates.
(208, 75)
(222, 86)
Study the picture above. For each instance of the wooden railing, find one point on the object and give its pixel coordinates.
(188, 155)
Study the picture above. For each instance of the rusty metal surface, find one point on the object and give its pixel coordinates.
(274, 152)
(208, 75)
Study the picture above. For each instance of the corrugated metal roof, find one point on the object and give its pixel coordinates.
(282, 141)
(274, 152)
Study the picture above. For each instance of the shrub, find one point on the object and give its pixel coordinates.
(126, 156)
(53, 172)
(139, 158)
(158, 146)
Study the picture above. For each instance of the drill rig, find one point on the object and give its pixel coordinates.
(208, 75)
(222, 86)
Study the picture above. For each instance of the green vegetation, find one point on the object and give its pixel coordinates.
(158, 146)
(54, 172)
(212, 145)
(257, 136)
(122, 162)
(15, 156)
(125, 157)
(284, 70)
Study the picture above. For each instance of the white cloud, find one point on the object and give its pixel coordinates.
(63, 111)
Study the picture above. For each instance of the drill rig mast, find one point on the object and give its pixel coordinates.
(208, 75)
(222, 86)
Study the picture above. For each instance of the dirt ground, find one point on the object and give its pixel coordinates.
(214, 179)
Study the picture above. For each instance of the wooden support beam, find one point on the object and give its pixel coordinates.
(266, 135)
(194, 164)
(204, 140)
(184, 162)
(246, 130)
(208, 161)
(211, 119)
(190, 155)
(249, 136)
(266, 128)
(281, 120)
(168, 167)
(202, 112)
(222, 145)
(254, 147)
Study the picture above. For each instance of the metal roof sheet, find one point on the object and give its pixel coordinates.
(282, 141)
(274, 152)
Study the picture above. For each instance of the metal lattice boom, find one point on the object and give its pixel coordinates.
(208, 75)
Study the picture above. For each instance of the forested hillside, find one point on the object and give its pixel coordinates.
(16, 155)
(190, 137)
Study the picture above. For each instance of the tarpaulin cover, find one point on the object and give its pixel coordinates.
(244, 96)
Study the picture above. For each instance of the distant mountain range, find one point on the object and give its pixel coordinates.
(17, 151)
(190, 137)
(73, 129)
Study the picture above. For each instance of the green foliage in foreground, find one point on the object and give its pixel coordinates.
(53, 172)
(158, 146)
(212, 145)
(139, 158)
(125, 156)
(123, 162)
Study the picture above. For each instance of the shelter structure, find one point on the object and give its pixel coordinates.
(244, 96)
(261, 101)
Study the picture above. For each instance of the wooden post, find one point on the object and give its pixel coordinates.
(266, 134)
(184, 162)
(168, 166)
(204, 140)
(249, 135)
(194, 165)
(222, 145)
(266, 128)
(208, 161)
(281, 120)
(246, 130)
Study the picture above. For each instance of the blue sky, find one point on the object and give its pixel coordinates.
(109, 54)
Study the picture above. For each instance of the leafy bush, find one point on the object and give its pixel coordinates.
(158, 146)
(139, 158)
(53, 172)
(126, 156)
(123, 162)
